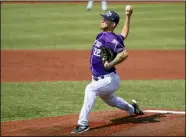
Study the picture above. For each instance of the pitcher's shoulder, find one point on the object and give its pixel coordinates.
(121, 37)
(100, 35)
(107, 37)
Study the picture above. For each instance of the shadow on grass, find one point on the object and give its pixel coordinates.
(134, 120)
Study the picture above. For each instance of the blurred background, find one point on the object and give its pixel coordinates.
(72, 26)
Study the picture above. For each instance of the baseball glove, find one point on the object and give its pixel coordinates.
(106, 54)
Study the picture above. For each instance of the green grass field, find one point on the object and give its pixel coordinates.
(30, 100)
(55, 26)
(49, 26)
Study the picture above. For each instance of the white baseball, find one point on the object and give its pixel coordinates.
(128, 7)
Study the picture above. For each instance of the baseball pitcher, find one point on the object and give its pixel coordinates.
(108, 50)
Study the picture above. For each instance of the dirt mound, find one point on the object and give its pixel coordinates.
(114, 123)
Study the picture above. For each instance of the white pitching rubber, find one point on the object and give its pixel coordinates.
(165, 111)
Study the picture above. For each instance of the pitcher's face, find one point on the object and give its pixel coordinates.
(106, 24)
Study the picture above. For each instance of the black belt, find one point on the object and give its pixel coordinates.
(100, 77)
(97, 78)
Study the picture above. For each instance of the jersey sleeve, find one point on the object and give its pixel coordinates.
(122, 37)
(118, 48)
(115, 46)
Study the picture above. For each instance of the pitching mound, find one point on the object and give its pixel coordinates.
(113, 123)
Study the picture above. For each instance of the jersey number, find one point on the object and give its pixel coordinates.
(97, 52)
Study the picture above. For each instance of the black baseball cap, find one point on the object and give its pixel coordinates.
(112, 16)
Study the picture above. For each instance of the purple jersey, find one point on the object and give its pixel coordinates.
(110, 40)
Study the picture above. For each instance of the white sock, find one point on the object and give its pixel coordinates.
(104, 5)
(90, 4)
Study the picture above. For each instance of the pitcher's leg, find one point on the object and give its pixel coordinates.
(118, 102)
(89, 100)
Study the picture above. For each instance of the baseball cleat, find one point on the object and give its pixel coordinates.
(137, 109)
(80, 129)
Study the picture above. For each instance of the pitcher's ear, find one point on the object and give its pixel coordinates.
(114, 24)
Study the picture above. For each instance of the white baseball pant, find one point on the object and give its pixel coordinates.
(104, 88)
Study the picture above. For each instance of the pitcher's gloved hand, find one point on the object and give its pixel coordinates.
(107, 56)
